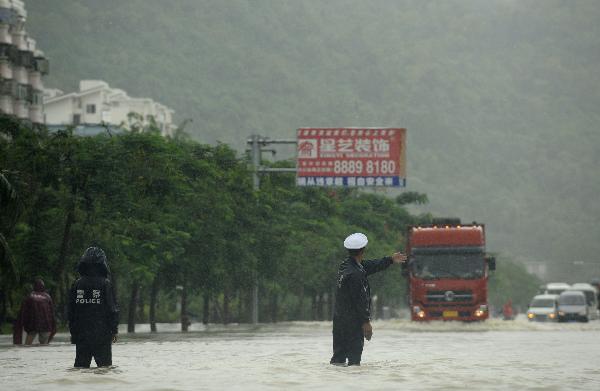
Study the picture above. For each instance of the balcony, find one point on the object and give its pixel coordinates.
(5, 36)
(35, 80)
(19, 8)
(6, 71)
(25, 59)
(20, 74)
(8, 87)
(41, 65)
(6, 104)
(8, 52)
(18, 39)
(21, 109)
(7, 15)
(36, 115)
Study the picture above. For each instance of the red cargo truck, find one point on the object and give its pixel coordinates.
(447, 271)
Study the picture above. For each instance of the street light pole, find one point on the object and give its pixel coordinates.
(256, 187)
(256, 143)
(254, 139)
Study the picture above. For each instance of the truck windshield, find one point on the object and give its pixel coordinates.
(456, 265)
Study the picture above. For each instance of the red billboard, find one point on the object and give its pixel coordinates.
(351, 157)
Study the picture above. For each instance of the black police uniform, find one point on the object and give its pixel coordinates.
(353, 308)
(93, 311)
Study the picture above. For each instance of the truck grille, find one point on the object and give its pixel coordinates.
(449, 296)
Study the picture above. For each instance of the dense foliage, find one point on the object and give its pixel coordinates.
(181, 224)
(500, 97)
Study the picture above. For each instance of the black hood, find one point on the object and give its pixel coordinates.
(38, 285)
(93, 263)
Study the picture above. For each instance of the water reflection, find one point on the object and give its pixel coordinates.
(113, 369)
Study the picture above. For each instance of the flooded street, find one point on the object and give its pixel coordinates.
(402, 355)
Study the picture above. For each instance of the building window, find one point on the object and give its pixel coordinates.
(25, 59)
(90, 109)
(40, 64)
(22, 92)
(9, 52)
(8, 87)
(76, 119)
(38, 98)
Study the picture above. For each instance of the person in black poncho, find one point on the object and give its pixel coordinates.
(93, 311)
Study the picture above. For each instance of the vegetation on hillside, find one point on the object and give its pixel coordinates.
(499, 97)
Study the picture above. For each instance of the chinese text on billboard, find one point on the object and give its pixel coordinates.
(351, 157)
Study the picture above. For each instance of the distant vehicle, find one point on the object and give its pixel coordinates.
(591, 298)
(543, 308)
(556, 288)
(572, 306)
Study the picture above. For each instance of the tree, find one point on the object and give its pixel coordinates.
(9, 213)
(170, 212)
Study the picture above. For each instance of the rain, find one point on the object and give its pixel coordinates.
(221, 155)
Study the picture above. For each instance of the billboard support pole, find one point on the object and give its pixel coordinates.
(257, 143)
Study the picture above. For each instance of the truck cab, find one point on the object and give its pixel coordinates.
(447, 272)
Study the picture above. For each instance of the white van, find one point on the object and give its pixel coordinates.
(572, 306)
(556, 288)
(543, 308)
(591, 298)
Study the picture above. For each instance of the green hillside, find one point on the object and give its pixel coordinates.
(500, 97)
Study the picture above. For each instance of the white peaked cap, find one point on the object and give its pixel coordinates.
(356, 241)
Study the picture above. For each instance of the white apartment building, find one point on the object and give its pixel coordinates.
(22, 65)
(97, 103)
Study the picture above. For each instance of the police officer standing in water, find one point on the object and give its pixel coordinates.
(93, 311)
(352, 317)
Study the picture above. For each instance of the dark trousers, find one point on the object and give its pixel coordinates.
(101, 353)
(348, 342)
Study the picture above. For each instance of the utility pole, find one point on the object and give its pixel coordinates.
(257, 144)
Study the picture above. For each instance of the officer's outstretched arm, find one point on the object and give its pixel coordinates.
(376, 265)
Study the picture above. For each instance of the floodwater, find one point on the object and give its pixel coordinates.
(495, 355)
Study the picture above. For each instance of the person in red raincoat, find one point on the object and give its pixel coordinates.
(36, 317)
(507, 310)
